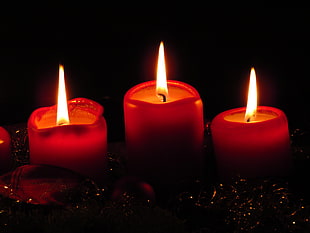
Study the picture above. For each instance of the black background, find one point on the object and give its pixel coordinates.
(106, 51)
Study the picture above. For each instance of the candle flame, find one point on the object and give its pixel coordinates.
(251, 107)
(161, 81)
(62, 105)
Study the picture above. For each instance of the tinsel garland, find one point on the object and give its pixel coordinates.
(270, 204)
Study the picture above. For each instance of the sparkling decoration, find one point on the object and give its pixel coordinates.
(264, 205)
(133, 186)
(270, 204)
(19, 141)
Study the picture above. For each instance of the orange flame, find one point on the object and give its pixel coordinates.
(161, 81)
(251, 107)
(62, 105)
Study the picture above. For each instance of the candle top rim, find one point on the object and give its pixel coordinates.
(261, 115)
(45, 117)
(276, 112)
(178, 91)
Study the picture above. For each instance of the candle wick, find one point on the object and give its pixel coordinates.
(62, 123)
(250, 118)
(164, 98)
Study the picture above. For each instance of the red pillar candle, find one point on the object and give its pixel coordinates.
(164, 130)
(77, 140)
(251, 143)
(5, 151)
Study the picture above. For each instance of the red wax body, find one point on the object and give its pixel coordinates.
(164, 140)
(80, 146)
(5, 151)
(251, 149)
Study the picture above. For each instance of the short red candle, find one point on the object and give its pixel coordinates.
(256, 148)
(251, 149)
(5, 151)
(71, 134)
(164, 139)
(80, 146)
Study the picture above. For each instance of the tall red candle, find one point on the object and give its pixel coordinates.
(5, 151)
(253, 144)
(164, 130)
(78, 143)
